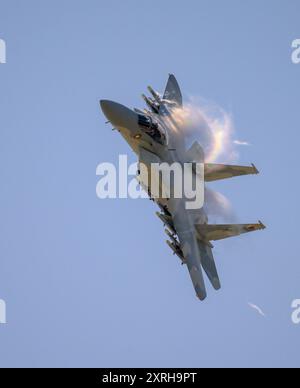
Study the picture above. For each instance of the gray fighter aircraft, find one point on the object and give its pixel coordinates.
(155, 137)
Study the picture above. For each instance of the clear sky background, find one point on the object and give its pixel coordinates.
(92, 283)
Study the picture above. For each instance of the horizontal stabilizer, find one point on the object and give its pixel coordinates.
(215, 172)
(219, 232)
(197, 279)
(209, 265)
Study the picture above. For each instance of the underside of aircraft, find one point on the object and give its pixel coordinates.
(155, 136)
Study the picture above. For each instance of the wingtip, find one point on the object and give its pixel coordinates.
(263, 226)
(256, 171)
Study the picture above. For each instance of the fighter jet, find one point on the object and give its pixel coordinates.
(155, 137)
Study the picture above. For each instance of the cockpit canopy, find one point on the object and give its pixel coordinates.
(151, 128)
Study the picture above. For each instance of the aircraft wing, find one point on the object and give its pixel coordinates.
(219, 232)
(215, 172)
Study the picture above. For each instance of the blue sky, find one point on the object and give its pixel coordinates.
(92, 283)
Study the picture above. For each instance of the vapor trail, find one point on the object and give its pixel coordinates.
(258, 309)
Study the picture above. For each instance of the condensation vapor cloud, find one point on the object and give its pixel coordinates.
(241, 143)
(218, 207)
(213, 128)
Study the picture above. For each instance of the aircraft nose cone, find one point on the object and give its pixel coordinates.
(119, 115)
(107, 107)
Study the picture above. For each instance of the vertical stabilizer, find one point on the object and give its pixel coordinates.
(173, 92)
